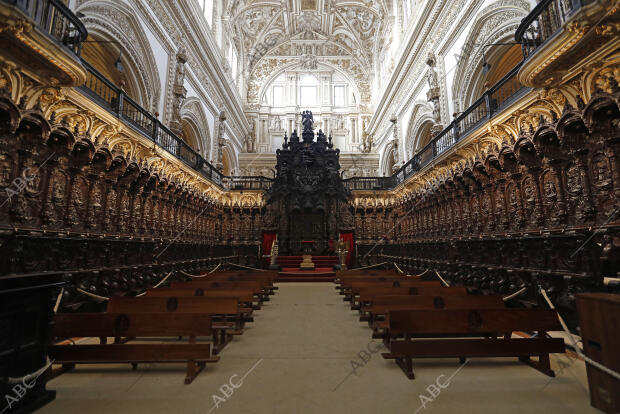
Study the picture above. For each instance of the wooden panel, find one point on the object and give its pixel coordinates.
(200, 292)
(434, 348)
(381, 304)
(472, 321)
(115, 353)
(68, 325)
(599, 320)
(145, 304)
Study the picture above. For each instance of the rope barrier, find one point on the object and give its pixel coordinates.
(442, 279)
(161, 282)
(28, 377)
(574, 343)
(514, 295)
(246, 267)
(215, 268)
(367, 267)
(92, 295)
(421, 274)
(58, 299)
(193, 276)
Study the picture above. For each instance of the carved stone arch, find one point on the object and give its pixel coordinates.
(113, 20)
(194, 117)
(495, 23)
(419, 128)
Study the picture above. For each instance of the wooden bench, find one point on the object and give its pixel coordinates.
(376, 313)
(355, 287)
(244, 298)
(251, 299)
(119, 325)
(227, 319)
(256, 287)
(365, 295)
(464, 323)
(266, 282)
(345, 285)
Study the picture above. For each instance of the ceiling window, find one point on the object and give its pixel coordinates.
(338, 95)
(308, 95)
(207, 9)
(278, 96)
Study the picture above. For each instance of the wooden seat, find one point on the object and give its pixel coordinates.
(132, 325)
(376, 313)
(347, 283)
(212, 285)
(366, 295)
(244, 298)
(355, 287)
(227, 318)
(461, 324)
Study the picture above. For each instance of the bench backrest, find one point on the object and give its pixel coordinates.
(383, 304)
(356, 286)
(241, 296)
(150, 304)
(467, 321)
(67, 325)
(367, 294)
(218, 284)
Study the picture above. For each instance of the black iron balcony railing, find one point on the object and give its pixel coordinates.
(369, 183)
(55, 19)
(492, 102)
(544, 21)
(112, 98)
(248, 183)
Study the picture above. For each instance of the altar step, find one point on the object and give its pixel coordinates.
(293, 274)
(319, 261)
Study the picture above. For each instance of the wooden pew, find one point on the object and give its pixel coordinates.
(221, 311)
(211, 285)
(244, 298)
(345, 283)
(467, 322)
(367, 294)
(118, 325)
(376, 313)
(266, 280)
(252, 299)
(354, 287)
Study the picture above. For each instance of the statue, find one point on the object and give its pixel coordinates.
(179, 93)
(434, 92)
(307, 120)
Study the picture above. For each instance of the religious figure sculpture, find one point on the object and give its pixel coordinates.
(179, 93)
(307, 120)
(434, 92)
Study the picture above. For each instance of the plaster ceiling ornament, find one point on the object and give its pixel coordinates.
(341, 31)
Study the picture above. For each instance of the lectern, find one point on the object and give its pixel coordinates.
(307, 263)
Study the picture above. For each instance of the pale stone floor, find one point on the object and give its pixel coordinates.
(301, 347)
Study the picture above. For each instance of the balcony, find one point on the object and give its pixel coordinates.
(494, 101)
(113, 99)
(44, 38)
(557, 34)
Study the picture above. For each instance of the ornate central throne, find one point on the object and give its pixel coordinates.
(308, 200)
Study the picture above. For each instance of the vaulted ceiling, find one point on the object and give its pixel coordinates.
(348, 34)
